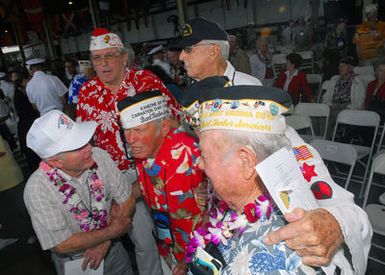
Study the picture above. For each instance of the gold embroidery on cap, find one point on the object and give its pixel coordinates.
(106, 38)
(187, 30)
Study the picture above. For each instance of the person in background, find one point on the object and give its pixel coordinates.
(375, 94)
(11, 194)
(78, 200)
(238, 58)
(168, 175)
(174, 88)
(294, 81)
(261, 63)
(346, 90)
(27, 115)
(205, 52)
(370, 36)
(157, 55)
(46, 92)
(86, 73)
(70, 70)
(177, 73)
(335, 47)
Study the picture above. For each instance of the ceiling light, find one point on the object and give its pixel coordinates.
(70, 3)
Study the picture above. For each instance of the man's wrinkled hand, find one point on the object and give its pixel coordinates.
(315, 235)
(94, 256)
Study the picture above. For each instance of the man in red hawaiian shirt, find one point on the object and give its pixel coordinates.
(97, 102)
(169, 179)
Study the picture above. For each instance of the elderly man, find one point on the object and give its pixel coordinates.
(206, 50)
(97, 102)
(78, 200)
(317, 235)
(46, 92)
(168, 174)
(234, 142)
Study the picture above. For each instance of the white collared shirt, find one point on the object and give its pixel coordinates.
(44, 91)
(288, 79)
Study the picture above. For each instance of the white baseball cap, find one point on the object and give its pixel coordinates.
(55, 132)
(2, 75)
(103, 39)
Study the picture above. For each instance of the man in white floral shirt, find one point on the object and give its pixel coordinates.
(69, 197)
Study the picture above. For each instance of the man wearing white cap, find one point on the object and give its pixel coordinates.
(46, 92)
(157, 54)
(168, 175)
(97, 102)
(78, 200)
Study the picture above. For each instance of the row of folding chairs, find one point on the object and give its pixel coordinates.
(348, 154)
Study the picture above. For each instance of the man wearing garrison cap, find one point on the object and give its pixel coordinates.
(168, 176)
(97, 102)
(45, 92)
(315, 235)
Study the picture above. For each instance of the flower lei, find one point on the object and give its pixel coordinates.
(225, 223)
(89, 220)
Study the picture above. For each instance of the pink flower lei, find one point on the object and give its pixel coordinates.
(89, 220)
(224, 223)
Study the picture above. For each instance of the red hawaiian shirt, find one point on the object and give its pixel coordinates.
(97, 103)
(168, 183)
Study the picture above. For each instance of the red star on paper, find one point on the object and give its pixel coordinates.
(308, 171)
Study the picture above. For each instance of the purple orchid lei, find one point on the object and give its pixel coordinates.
(89, 220)
(224, 223)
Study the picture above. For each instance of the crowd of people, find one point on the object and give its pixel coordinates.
(165, 151)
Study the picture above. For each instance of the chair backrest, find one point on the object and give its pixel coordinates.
(381, 138)
(299, 122)
(363, 70)
(378, 167)
(306, 54)
(324, 86)
(314, 110)
(308, 61)
(279, 59)
(337, 152)
(314, 78)
(359, 118)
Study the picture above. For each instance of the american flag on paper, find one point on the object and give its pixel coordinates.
(302, 153)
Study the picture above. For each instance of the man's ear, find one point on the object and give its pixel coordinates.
(165, 127)
(248, 160)
(214, 52)
(55, 161)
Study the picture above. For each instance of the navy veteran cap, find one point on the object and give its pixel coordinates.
(142, 108)
(199, 29)
(244, 108)
(193, 92)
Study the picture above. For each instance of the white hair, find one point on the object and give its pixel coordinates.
(263, 144)
(223, 45)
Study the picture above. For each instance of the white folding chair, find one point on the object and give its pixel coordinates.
(381, 198)
(363, 70)
(279, 63)
(307, 61)
(337, 152)
(301, 122)
(379, 146)
(376, 212)
(325, 85)
(314, 110)
(378, 167)
(360, 118)
(366, 79)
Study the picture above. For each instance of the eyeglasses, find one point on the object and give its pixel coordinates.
(190, 49)
(109, 58)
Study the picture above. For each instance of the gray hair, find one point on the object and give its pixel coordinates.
(263, 144)
(377, 66)
(223, 45)
(131, 54)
